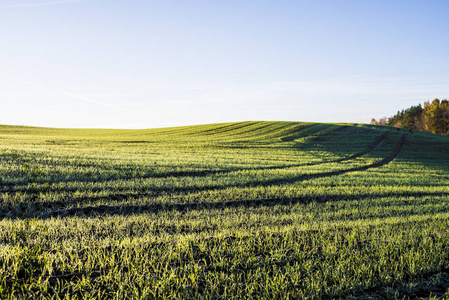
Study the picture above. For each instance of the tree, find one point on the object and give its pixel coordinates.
(444, 107)
(382, 121)
(410, 117)
(432, 117)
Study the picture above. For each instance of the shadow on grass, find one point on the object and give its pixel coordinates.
(203, 173)
(43, 212)
(154, 207)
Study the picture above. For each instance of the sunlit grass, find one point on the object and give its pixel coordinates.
(235, 210)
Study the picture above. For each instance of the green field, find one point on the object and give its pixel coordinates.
(249, 210)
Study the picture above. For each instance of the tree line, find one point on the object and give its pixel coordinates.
(432, 117)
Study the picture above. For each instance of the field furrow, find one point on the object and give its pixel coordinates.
(243, 210)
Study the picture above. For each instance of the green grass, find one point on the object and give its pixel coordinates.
(249, 210)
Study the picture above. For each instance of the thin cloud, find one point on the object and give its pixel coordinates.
(47, 3)
(40, 86)
(25, 82)
(91, 100)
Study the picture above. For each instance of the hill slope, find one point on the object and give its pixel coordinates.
(249, 209)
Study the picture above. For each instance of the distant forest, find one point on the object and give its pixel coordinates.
(433, 117)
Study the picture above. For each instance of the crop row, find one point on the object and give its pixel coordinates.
(235, 210)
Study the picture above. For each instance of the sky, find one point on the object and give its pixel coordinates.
(150, 64)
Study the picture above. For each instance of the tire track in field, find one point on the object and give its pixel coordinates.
(383, 162)
(380, 163)
(130, 209)
(183, 206)
(369, 149)
(160, 191)
(62, 207)
(204, 173)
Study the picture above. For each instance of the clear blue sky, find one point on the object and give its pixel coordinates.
(145, 63)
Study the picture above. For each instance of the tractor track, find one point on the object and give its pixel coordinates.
(9, 187)
(183, 206)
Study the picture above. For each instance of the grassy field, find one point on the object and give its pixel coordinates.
(250, 210)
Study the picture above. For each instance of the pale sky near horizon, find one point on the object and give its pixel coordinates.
(147, 64)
